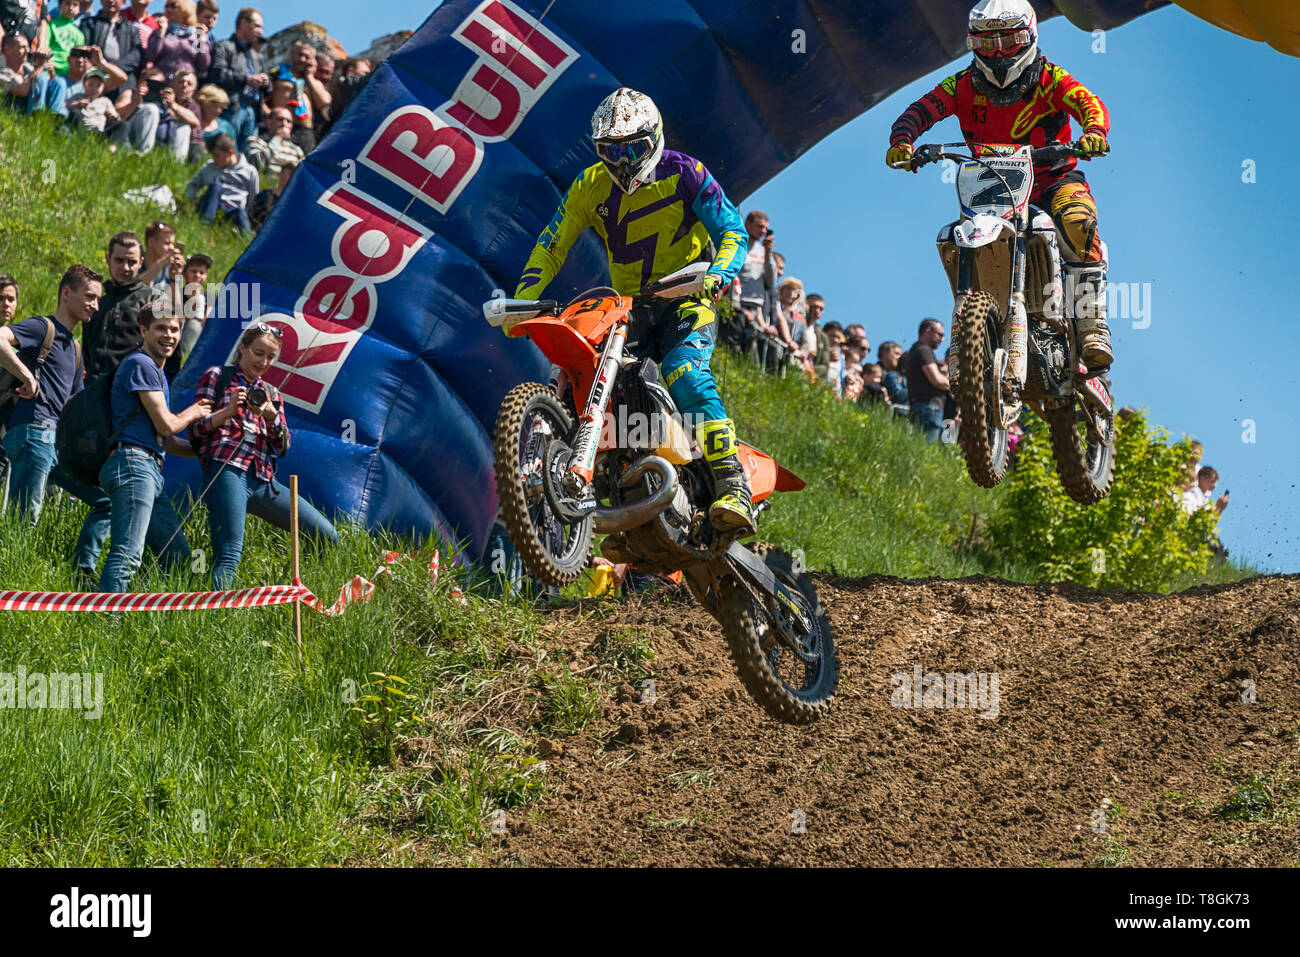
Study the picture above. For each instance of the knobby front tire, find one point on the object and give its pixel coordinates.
(553, 552)
(983, 444)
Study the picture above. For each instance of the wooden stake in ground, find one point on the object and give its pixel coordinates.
(293, 557)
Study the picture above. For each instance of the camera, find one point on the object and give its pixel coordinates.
(257, 397)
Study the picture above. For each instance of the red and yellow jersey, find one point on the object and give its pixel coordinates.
(1039, 118)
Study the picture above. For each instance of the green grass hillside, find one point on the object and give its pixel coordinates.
(879, 498)
(64, 196)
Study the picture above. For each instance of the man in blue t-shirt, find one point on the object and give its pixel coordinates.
(146, 431)
(44, 387)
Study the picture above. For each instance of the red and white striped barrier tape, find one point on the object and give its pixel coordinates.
(158, 601)
(357, 590)
(456, 593)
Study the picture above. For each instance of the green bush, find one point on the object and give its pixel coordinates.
(1137, 537)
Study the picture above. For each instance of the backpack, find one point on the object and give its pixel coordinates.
(86, 433)
(9, 382)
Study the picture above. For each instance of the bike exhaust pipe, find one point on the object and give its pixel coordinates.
(606, 520)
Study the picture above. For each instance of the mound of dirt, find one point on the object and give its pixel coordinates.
(1113, 728)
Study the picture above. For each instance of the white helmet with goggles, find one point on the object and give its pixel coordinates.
(1003, 34)
(628, 135)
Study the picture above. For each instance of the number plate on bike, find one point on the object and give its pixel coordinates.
(980, 186)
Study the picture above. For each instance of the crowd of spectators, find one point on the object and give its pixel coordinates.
(785, 330)
(137, 325)
(1197, 492)
(164, 80)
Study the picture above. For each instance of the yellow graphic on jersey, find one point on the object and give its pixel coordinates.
(704, 314)
(1038, 109)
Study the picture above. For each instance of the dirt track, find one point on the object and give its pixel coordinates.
(1103, 696)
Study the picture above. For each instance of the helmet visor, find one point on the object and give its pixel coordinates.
(630, 152)
(1006, 42)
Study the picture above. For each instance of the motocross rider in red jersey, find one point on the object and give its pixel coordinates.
(1012, 94)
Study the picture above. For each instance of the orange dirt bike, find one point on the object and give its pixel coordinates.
(609, 455)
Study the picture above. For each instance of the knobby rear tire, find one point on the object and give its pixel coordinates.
(520, 405)
(983, 445)
(1086, 484)
(742, 620)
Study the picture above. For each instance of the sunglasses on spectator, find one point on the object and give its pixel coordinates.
(267, 330)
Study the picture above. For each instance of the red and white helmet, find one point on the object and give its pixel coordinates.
(1003, 34)
(628, 135)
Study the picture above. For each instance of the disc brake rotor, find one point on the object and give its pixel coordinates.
(555, 467)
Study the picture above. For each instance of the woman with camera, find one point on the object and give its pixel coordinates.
(237, 447)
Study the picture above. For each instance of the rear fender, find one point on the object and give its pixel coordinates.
(764, 475)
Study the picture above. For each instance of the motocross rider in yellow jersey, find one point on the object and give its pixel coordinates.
(656, 210)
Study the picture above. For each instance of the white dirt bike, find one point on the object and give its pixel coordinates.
(1012, 323)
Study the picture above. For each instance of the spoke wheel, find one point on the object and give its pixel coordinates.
(983, 444)
(790, 687)
(531, 418)
(1086, 465)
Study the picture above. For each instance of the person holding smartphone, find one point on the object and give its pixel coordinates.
(238, 445)
(757, 275)
(27, 78)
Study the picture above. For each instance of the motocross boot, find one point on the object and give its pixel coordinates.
(731, 509)
(1088, 281)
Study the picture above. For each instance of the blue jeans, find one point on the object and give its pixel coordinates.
(133, 480)
(171, 551)
(210, 205)
(231, 494)
(930, 417)
(48, 93)
(140, 131)
(244, 119)
(32, 457)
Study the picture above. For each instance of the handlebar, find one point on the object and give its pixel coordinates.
(684, 283)
(928, 153)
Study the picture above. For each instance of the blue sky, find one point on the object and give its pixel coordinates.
(343, 20)
(1189, 105)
